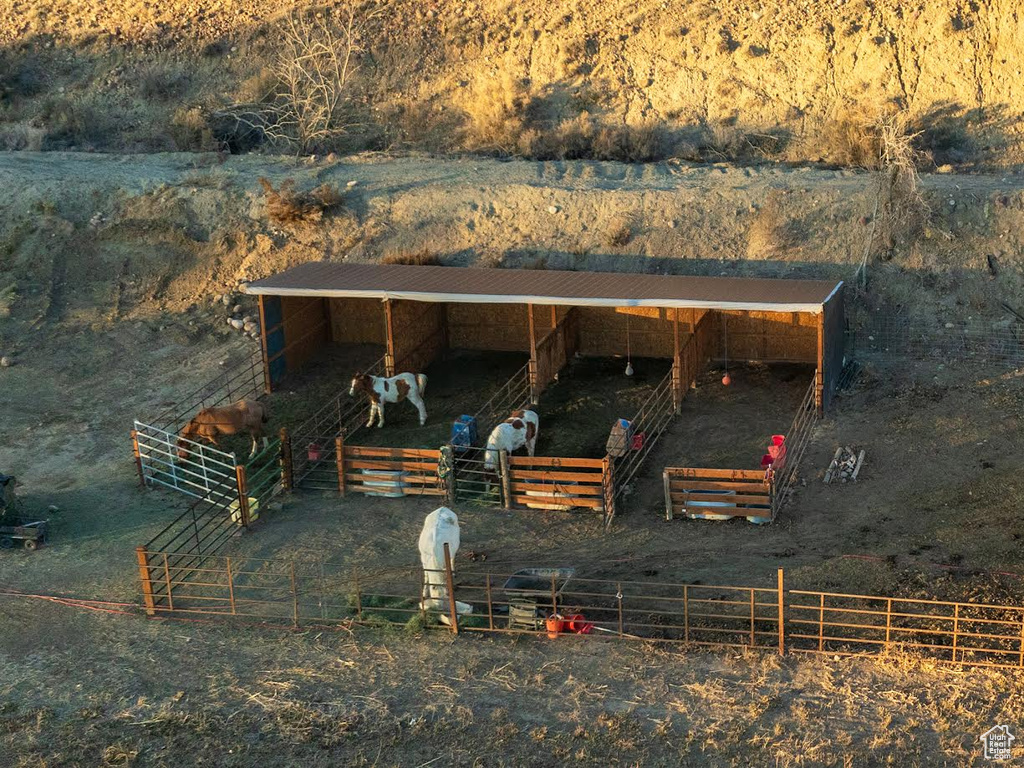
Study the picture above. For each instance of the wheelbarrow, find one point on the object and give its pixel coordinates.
(533, 593)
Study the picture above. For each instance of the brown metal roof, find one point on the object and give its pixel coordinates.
(508, 286)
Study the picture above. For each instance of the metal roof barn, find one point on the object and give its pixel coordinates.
(416, 313)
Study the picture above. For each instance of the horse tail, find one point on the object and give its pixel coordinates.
(421, 383)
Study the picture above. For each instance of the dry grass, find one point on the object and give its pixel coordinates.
(495, 112)
(620, 232)
(421, 258)
(285, 205)
(771, 233)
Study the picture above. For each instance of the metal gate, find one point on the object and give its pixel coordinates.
(202, 469)
(464, 470)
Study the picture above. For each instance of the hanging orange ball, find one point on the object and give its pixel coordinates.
(726, 380)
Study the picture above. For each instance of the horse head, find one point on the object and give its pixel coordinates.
(360, 382)
(187, 435)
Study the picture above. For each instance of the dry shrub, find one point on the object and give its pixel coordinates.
(491, 261)
(620, 232)
(541, 262)
(771, 233)
(21, 75)
(286, 206)
(162, 81)
(21, 136)
(191, 131)
(630, 143)
(421, 258)
(849, 143)
(496, 114)
(904, 211)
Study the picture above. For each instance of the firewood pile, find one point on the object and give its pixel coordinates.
(845, 465)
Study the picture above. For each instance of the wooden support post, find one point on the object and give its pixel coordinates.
(339, 460)
(138, 458)
(389, 339)
(667, 482)
(554, 316)
(677, 365)
(147, 583)
(243, 495)
(535, 384)
(287, 476)
(819, 374)
(231, 584)
(449, 580)
(506, 479)
(782, 614)
(268, 385)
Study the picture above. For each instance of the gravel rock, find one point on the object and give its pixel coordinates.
(235, 323)
(6, 361)
(236, 309)
(226, 299)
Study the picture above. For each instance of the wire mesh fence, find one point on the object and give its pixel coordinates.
(889, 336)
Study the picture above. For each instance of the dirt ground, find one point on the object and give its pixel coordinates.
(936, 513)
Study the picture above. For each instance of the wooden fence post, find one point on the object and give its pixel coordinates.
(782, 616)
(339, 459)
(147, 585)
(450, 584)
(506, 479)
(243, 495)
(138, 458)
(286, 459)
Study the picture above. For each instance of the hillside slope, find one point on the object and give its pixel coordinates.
(789, 80)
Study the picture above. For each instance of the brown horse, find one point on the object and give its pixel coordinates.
(245, 416)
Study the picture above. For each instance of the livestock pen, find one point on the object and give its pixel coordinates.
(421, 317)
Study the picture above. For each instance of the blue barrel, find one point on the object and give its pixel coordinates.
(464, 432)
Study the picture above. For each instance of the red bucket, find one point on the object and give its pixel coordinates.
(579, 625)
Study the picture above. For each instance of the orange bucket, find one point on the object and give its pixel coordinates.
(554, 625)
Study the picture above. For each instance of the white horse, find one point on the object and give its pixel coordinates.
(379, 390)
(518, 430)
(439, 528)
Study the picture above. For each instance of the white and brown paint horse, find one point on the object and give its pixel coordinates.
(379, 390)
(518, 430)
(210, 424)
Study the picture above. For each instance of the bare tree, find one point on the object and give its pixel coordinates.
(313, 103)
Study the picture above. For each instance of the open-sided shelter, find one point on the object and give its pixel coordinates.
(415, 313)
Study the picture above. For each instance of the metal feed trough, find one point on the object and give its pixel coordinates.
(533, 593)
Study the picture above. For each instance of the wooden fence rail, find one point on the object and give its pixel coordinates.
(543, 482)
(718, 494)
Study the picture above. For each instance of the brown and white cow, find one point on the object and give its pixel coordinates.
(378, 390)
(518, 430)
